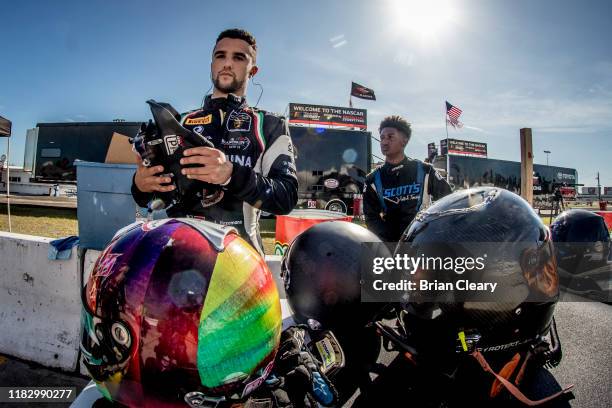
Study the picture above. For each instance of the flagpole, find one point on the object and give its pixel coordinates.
(350, 101)
(447, 146)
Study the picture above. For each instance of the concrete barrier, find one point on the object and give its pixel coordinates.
(39, 302)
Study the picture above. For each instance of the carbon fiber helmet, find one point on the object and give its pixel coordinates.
(582, 248)
(516, 251)
(179, 310)
(322, 272)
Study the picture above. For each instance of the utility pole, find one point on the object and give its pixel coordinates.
(598, 188)
(547, 153)
(526, 165)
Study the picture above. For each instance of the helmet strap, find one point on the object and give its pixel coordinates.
(512, 389)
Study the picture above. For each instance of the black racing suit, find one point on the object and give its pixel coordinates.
(263, 176)
(394, 193)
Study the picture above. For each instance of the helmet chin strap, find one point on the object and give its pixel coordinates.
(512, 389)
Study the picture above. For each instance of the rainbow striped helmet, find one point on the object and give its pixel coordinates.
(179, 309)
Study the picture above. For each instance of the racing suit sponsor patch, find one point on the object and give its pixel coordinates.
(172, 142)
(406, 189)
(239, 121)
(236, 142)
(241, 160)
(199, 121)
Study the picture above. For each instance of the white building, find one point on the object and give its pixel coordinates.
(20, 184)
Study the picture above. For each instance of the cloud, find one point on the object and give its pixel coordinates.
(338, 41)
(475, 128)
(69, 120)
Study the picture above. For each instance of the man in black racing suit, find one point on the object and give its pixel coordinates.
(395, 192)
(253, 157)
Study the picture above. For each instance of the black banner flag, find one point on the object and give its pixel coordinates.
(360, 91)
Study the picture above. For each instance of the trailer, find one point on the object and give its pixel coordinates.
(52, 148)
(331, 167)
(333, 156)
(466, 172)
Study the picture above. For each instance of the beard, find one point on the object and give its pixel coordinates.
(231, 87)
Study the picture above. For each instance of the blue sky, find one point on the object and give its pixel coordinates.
(508, 64)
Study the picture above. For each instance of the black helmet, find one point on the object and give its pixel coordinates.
(582, 248)
(322, 273)
(520, 259)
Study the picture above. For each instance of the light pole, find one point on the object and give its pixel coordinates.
(547, 153)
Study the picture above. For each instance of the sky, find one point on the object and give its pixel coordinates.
(544, 64)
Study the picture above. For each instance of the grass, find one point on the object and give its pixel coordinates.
(40, 221)
(61, 222)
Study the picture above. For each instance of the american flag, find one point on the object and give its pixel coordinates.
(453, 113)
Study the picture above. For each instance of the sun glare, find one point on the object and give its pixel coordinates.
(422, 19)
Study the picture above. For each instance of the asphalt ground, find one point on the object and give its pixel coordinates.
(585, 330)
(18, 373)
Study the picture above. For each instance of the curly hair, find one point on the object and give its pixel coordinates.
(396, 122)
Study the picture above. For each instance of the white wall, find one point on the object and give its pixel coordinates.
(39, 302)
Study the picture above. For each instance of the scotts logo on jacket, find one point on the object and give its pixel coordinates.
(402, 191)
